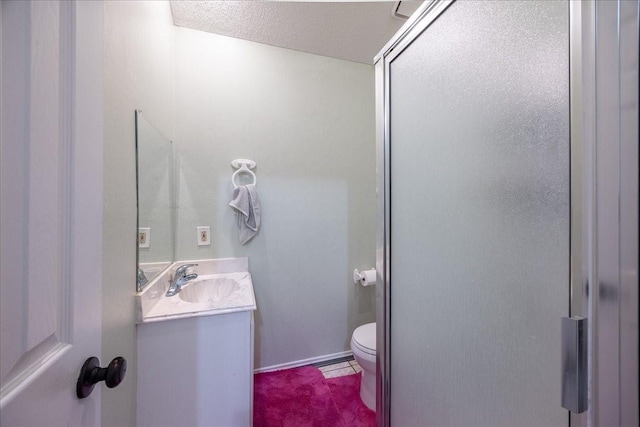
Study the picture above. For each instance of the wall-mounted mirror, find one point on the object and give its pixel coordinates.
(154, 168)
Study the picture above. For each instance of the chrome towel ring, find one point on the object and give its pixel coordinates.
(243, 166)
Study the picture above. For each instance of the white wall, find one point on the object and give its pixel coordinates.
(308, 121)
(137, 75)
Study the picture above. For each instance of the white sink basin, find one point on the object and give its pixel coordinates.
(211, 289)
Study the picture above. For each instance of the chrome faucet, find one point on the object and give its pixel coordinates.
(180, 278)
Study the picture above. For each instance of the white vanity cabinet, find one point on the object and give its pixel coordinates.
(195, 348)
(196, 371)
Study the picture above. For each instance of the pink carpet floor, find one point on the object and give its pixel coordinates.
(346, 393)
(302, 397)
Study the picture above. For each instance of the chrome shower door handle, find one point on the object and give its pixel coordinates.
(574, 364)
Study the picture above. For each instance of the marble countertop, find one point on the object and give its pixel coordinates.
(153, 305)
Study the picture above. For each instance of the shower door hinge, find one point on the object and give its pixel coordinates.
(574, 364)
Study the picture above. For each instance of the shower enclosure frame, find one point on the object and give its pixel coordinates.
(604, 200)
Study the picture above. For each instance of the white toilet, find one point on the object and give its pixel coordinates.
(363, 346)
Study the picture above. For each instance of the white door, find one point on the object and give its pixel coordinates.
(51, 211)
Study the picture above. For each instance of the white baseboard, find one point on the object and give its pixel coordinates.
(303, 362)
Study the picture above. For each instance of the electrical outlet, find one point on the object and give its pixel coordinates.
(144, 237)
(204, 235)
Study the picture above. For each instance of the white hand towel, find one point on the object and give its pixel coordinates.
(247, 206)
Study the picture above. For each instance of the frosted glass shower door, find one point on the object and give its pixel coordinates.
(479, 211)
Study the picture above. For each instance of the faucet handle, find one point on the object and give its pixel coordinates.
(180, 271)
(141, 280)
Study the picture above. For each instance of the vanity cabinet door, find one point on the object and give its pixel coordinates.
(196, 371)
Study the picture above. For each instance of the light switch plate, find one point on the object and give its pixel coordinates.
(144, 237)
(204, 235)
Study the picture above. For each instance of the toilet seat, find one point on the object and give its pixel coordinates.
(364, 338)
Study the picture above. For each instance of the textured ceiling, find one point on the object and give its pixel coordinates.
(355, 31)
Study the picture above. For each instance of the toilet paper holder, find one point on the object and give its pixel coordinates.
(359, 277)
